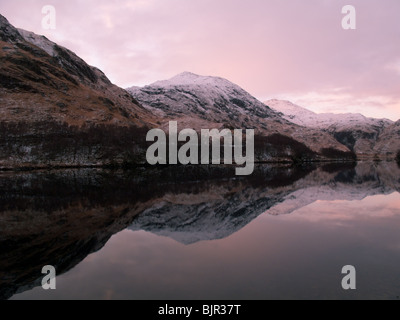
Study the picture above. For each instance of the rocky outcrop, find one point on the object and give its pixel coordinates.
(388, 143)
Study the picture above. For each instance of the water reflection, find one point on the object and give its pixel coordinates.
(61, 217)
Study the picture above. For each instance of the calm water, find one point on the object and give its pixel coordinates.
(202, 233)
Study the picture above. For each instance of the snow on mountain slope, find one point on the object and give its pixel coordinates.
(356, 131)
(307, 118)
(40, 41)
(68, 60)
(210, 98)
(201, 102)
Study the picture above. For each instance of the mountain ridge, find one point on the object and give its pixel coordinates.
(306, 117)
(28, 70)
(56, 110)
(198, 101)
(359, 133)
(44, 83)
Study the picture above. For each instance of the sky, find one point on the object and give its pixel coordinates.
(284, 49)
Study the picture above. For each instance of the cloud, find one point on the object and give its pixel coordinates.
(269, 47)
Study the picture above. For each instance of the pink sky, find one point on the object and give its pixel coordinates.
(286, 49)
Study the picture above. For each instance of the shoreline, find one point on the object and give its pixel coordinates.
(127, 167)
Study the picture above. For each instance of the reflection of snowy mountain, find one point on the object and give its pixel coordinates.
(357, 184)
(206, 218)
(220, 212)
(81, 209)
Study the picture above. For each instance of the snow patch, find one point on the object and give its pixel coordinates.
(40, 41)
(307, 118)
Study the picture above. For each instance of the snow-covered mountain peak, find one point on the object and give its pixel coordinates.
(181, 79)
(304, 117)
(211, 98)
(288, 108)
(200, 101)
(189, 79)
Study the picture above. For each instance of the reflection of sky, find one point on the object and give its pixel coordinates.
(340, 211)
(289, 256)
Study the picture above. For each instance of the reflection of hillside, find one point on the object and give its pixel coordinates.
(222, 211)
(367, 179)
(60, 217)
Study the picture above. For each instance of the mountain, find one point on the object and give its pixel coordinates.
(202, 102)
(57, 111)
(359, 133)
(209, 98)
(307, 118)
(43, 81)
(51, 101)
